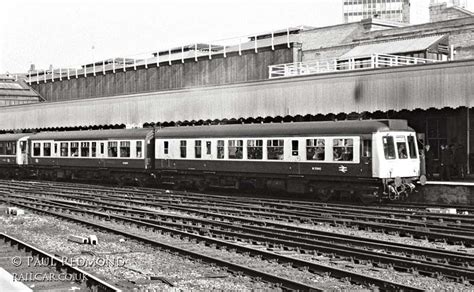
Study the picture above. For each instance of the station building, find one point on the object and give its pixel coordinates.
(362, 70)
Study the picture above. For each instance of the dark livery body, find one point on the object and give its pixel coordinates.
(321, 158)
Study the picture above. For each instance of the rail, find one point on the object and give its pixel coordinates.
(350, 64)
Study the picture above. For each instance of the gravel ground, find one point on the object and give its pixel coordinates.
(128, 264)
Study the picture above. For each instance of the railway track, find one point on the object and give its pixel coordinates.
(43, 271)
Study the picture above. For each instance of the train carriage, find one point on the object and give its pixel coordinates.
(91, 154)
(366, 158)
(13, 153)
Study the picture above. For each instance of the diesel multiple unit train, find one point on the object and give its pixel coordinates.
(369, 159)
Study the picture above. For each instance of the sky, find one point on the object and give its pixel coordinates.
(69, 33)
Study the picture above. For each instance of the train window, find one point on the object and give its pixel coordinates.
(85, 149)
(220, 149)
(367, 148)
(294, 147)
(412, 147)
(93, 149)
(343, 149)
(182, 149)
(254, 149)
(64, 149)
(166, 146)
(315, 149)
(112, 149)
(197, 149)
(124, 148)
(55, 148)
(12, 148)
(74, 149)
(208, 147)
(139, 149)
(388, 147)
(36, 149)
(102, 149)
(275, 149)
(236, 148)
(401, 147)
(3, 150)
(46, 149)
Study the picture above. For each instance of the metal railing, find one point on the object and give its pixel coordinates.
(350, 64)
(194, 51)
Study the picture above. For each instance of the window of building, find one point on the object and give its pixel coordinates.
(236, 149)
(138, 149)
(46, 149)
(208, 147)
(74, 149)
(388, 147)
(412, 147)
(367, 148)
(166, 147)
(85, 149)
(220, 149)
(36, 149)
(315, 149)
(93, 149)
(64, 149)
(112, 149)
(124, 148)
(197, 149)
(254, 149)
(275, 149)
(401, 147)
(182, 149)
(343, 149)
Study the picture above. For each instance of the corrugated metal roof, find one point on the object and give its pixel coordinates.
(93, 135)
(285, 129)
(394, 47)
(438, 85)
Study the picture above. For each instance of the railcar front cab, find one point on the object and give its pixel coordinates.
(396, 161)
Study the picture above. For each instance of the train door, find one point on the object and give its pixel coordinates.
(295, 154)
(22, 151)
(101, 154)
(207, 150)
(163, 152)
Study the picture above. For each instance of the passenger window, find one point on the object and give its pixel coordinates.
(220, 149)
(315, 149)
(36, 149)
(275, 149)
(47, 149)
(294, 147)
(254, 149)
(64, 149)
(85, 149)
(11, 148)
(94, 150)
(2, 149)
(139, 149)
(182, 149)
(208, 147)
(112, 149)
(412, 147)
(343, 149)
(388, 147)
(102, 149)
(74, 149)
(236, 148)
(366, 148)
(197, 149)
(401, 147)
(124, 148)
(55, 148)
(166, 146)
